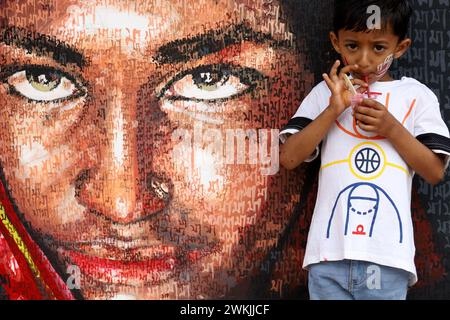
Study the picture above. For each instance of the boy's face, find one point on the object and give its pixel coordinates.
(371, 51)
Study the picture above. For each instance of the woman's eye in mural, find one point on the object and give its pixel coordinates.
(212, 83)
(43, 84)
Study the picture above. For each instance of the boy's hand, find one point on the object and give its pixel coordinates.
(372, 116)
(340, 96)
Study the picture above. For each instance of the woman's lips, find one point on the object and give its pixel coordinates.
(145, 253)
(134, 268)
(126, 272)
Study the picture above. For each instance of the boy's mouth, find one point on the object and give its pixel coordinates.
(368, 77)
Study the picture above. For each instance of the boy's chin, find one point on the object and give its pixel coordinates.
(370, 78)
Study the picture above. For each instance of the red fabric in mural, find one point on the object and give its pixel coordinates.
(17, 278)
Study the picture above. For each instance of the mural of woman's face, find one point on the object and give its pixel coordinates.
(138, 138)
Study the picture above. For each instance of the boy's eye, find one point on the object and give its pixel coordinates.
(379, 48)
(211, 83)
(351, 46)
(43, 84)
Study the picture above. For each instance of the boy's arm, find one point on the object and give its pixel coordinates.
(301, 145)
(372, 116)
(420, 158)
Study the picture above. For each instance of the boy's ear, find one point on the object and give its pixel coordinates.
(402, 47)
(334, 41)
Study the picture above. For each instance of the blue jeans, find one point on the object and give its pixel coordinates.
(356, 280)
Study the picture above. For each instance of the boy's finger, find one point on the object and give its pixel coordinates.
(372, 103)
(365, 118)
(361, 89)
(362, 85)
(360, 82)
(366, 111)
(333, 71)
(348, 68)
(366, 127)
(328, 81)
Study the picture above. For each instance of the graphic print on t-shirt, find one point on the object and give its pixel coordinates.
(367, 161)
(363, 203)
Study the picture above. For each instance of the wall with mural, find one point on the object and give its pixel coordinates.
(139, 147)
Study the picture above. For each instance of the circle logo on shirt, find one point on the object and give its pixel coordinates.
(367, 161)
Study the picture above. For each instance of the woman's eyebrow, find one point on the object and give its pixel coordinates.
(42, 45)
(212, 41)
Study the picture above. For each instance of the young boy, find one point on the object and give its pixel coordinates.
(372, 142)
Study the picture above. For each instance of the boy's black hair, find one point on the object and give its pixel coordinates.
(352, 15)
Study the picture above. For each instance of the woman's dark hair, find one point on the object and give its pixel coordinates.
(353, 15)
(310, 22)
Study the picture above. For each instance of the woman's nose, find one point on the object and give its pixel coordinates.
(115, 186)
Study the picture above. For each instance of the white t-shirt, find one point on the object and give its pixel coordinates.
(363, 207)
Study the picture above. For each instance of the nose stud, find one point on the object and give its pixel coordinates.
(159, 187)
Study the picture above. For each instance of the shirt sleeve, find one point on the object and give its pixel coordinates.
(429, 127)
(309, 109)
